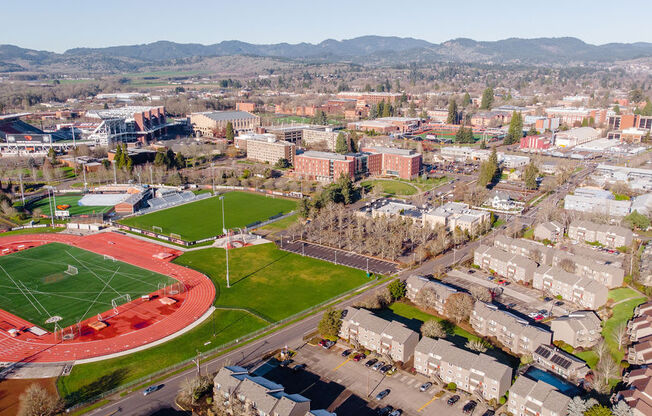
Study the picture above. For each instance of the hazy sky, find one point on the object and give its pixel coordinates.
(63, 24)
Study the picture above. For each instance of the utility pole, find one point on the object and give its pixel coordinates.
(228, 284)
(151, 178)
(115, 174)
(213, 178)
(197, 362)
(22, 193)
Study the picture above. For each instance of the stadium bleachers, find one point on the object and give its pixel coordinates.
(171, 200)
(16, 126)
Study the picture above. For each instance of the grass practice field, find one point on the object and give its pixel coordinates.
(203, 219)
(390, 187)
(34, 284)
(44, 205)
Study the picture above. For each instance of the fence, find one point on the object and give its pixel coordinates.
(217, 349)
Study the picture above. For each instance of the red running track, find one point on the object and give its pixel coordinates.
(138, 322)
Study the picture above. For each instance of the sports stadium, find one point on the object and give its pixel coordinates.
(83, 298)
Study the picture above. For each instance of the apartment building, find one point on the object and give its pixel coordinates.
(435, 291)
(265, 148)
(456, 214)
(607, 274)
(582, 291)
(505, 264)
(391, 208)
(480, 374)
(560, 362)
(528, 397)
(377, 334)
(636, 178)
(596, 201)
(536, 252)
(404, 163)
(640, 352)
(370, 97)
(329, 167)
(261, 396)
(608, 235)
(640, 326)
(325, 138)
(639, 392)
(209, 122)
(512, 332)
(551, 230)
(580, 329)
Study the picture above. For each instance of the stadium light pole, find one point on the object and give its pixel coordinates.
(228, 284)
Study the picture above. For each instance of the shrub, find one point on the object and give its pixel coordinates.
(451, 386)
(502, 400)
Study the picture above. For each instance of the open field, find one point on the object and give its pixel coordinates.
(203, 219)
(44, 205)
(270, 282)
(35, 286)
(391, 187)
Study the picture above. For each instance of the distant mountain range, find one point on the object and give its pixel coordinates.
(376, 50)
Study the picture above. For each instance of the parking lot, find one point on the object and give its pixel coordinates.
(346, 387)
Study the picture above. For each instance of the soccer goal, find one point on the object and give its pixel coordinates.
(157, 229)
(109, 258)
(72, 270)
(120, 300)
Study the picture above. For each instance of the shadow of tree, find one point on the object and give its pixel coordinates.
(101, 385)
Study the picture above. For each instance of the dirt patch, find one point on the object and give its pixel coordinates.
(10, 390)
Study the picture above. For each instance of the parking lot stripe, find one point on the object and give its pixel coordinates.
(345, 361)
(427, 403)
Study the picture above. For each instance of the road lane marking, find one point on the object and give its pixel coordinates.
(427, 403)
(345, 361)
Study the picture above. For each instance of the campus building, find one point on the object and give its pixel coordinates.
(528, 397)
(514, 333)
(209, 122)
(582, 291)
(505, 264)
(265, 148)
(452, 215)
(391, 338)
(404, 163)
(596, 201)
(329, 167)
(128, 124)
(326, 138)
(636, 178)
(478, 374)
(608, 235)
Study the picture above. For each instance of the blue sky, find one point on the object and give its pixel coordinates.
(63, 24)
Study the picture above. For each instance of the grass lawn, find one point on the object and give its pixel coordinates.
(47, 290)
(589, 356)
(44, 205)
(623, 293)
(273, 283)
(621, 314)
(529, 233)
(428, 183)
(391, 187)
(281, 224)
(40, 230)
(88, 380)
(203, 219)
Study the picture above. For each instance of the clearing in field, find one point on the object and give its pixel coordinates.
(203, 219)
(59, 280)
(72, 200)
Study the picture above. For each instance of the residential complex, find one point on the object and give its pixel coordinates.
(608, 235)
(582, 291)
(514, 333)
(596, 201)
(605, 273)
(551, 230)
(377, 334)
(265, 148)
(476, 373)
(638, 395)
(456, 214)
(580, 329)
(560, 362)
(436, 292)
(536, 252)
(211, 122)
(528, 397)
(504, 264)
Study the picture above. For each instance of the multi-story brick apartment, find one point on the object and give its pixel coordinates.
(456, 214)
(377, 334)
(608, 235)
(582, 291)
(528, 397)
(474, 373)
(593, 268)
(328, 167)
(551, 230)
(207, 123)
(438, 292)
(260, 396)
(638, 395)
(404, 163)
(580, 329)
(512, 332)
(265, 148)
(536, 252)
(504, 264)
(560, 362)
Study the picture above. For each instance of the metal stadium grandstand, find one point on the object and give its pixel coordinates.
(172, 199)
(12, 124)
(129, 124)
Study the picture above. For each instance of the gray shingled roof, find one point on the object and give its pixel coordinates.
(228, 115)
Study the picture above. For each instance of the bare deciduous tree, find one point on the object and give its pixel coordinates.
(480, 293)
(433, 329)
(36, 401)
(458, 307)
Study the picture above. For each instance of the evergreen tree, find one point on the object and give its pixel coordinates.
(388, 86)
(341, 145)
(373, 112)
(404, 97)
(381, 108)
(533, 131)
(647, 110)
(515, 131)
(530, 175)
(452, 112)
(180, 160)
(616, 109)
(230, 134)
(487, 99)
(118, 156)
(412, 109)
(466, 100)
(353, 141)
(387, 110)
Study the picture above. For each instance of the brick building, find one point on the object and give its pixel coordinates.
(404, 163)
(206, 123)
(265, 148)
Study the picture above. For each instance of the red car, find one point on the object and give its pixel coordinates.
(538, 318)
(359, 357)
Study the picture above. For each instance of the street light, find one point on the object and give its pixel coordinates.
(228, 284)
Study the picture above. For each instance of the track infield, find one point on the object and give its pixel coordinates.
(203, 218)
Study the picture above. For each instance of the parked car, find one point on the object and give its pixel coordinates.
(299, 367)
(532, 314)
(377, 366)
(371, 362)
(287, 362)
(559, 303)
(382, 394)
(490, 277)
(538, 318)
(385, 368)
(359, 357)
(547, 299)
(383, 411)
(344, 313)
(151, 389)
(471, 271)
(327, 343)
(396, 412)
(469, 407)
(346, 353)
(453, 399)
(489, 412)
(425, 386)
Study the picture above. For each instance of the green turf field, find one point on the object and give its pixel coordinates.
(390, 187)
(44, 205)
(34, 284)
(203, 219)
